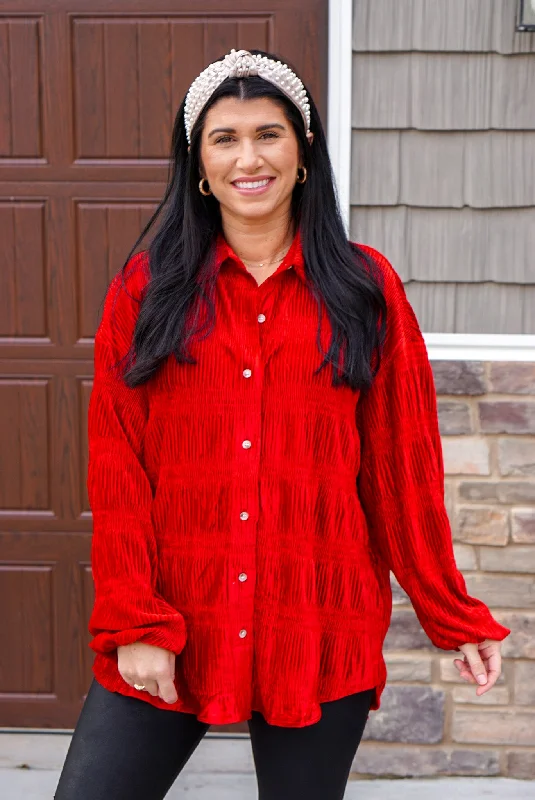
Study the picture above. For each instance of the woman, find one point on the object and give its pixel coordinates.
(264, 449)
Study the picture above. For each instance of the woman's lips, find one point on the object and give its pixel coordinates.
(253, 187)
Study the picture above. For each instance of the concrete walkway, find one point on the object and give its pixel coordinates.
(30, 765)
(40, 784)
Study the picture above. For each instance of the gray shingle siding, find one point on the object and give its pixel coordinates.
(443, 157)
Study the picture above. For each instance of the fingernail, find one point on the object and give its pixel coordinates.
(481, 679)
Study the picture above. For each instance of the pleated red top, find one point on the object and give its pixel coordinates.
(247, 514)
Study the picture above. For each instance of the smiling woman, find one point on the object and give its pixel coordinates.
(264, 449)
(251, 167)
(242, 155)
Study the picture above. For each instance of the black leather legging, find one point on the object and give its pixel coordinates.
(126, 749)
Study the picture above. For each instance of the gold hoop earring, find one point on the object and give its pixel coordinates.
(202, 190)
(304, 177)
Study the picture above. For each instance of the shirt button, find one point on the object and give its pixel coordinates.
(246, 444)
(242, 576)
(242, 634)
(247, 373)
(261, 317)
(244, 515)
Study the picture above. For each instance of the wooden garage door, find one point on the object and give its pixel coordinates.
(87, 101)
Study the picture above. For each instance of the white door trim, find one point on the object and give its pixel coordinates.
(339, 98)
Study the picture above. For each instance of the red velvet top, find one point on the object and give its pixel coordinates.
(247, 514)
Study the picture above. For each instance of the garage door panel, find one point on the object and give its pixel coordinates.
(21, 129)
(43, 583)
(106, 232)
(26, 635)
(25, 452)
(23, 301)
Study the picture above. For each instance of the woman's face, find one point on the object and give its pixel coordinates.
(250, 157)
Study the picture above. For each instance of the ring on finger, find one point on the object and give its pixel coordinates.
(139, 686)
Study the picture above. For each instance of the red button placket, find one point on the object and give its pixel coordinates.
(258, 309)
(248, 443)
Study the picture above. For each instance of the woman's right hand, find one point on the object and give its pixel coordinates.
(151, 666)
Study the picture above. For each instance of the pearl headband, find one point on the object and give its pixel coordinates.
(242, 64)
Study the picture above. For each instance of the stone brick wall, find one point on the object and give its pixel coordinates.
(431, 723)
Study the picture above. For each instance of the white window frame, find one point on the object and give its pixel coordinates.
(446, 346)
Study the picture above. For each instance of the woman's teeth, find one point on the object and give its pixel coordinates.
(251, 184)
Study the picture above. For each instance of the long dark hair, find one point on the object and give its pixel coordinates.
(341, 275)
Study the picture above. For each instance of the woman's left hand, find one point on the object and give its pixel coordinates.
(482, 664)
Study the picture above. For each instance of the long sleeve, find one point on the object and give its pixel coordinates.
(401, 483)
(123, 554)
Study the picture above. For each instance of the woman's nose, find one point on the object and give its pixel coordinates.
(248, 156)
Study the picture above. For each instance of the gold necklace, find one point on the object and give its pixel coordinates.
(278, 257)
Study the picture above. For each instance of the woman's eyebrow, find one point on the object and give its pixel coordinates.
(267, 127)
(258, 130)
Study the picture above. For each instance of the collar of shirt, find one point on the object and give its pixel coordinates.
(293, 258)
